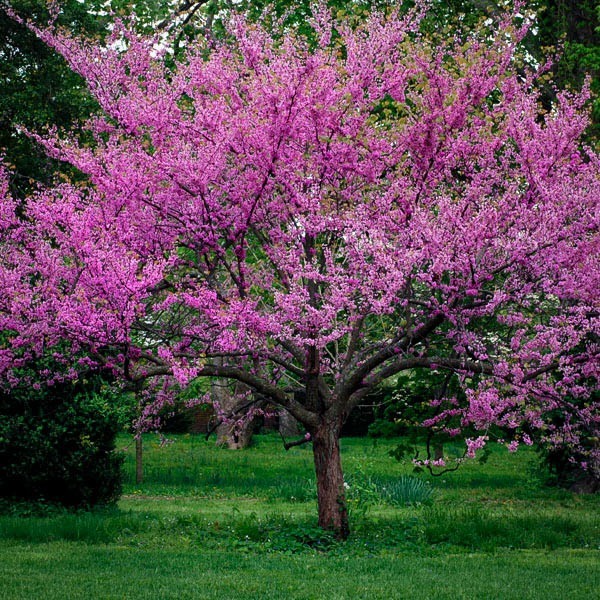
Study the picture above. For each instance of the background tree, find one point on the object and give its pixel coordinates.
(320, 215)
(413, 401)
(36, 88)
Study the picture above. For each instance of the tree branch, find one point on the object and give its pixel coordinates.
(188, 8)
(356, 380)
(267, 389)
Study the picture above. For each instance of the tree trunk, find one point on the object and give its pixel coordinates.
(331, 497)
(237, 433)
(139, 464)
(236, 436)
(438, 450)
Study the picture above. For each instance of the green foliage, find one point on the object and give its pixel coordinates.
(57, 445)
(37, 88)
(573, 26)
(408, 404)
(175, 418)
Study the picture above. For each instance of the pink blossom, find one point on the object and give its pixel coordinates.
(475, 444)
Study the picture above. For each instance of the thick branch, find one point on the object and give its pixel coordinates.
(356, 380)
(267, 389)
(187, 9)
(404, 364)
(353, 341)
(293, 444)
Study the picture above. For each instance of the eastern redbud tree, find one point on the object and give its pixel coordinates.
(317, 215)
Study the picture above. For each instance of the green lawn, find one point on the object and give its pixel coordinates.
(212, 523)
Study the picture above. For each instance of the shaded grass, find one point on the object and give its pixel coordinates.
(192, 466)
(93, 527)
(478, 529)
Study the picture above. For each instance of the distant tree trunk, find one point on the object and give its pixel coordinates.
(438, 450)
(586, 485)
(588, 482)
(288, 425)
(236, 436)
(139, 465)
(236, 433)
(331, 497)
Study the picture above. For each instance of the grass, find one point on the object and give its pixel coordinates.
(71, 570)
(212, 523)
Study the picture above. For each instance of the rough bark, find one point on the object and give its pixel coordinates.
(333, 511)
(237, 436)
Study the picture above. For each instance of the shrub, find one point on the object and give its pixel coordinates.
(574, 467)
(177, 418)
(57, 444)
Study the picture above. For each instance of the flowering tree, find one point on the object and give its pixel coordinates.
(317, 216)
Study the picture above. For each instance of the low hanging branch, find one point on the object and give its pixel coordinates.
(294, 443)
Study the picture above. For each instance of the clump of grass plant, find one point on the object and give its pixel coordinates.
(364, 491)
(406, 490)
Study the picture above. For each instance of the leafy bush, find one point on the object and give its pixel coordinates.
(573, 467)
(415, 397)
(564, 469)
(57, 444)
(176, 418)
